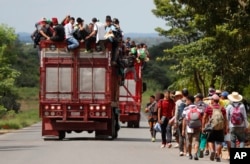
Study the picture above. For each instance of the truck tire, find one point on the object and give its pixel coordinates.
(137, 124)
(130, 124)
(61, 135)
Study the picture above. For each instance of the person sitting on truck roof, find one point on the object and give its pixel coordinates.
(98, 32)
(80, 31)
(43, 31)
(91, 40)
(69, 30)
(58, 31)
(110, 31)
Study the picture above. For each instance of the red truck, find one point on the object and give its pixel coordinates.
(131, 98)
(79, 91)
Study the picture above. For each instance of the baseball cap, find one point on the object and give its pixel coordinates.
(215, 97)
(199, 95)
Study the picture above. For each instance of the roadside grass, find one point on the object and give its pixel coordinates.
(28, 114)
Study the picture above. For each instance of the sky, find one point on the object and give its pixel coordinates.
(134, 15)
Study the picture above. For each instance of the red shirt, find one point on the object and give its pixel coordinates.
(167, 107)
(209, 110)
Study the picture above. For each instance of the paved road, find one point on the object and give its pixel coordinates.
(133, 146)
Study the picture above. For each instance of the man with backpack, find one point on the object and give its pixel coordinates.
(191, 127)
(180, 105)
(203, 136)
(215, 117)
(237, 119)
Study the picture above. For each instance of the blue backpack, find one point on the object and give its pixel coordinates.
(180, 111)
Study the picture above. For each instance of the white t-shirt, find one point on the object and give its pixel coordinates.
(100, 28)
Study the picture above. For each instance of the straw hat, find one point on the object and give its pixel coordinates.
(178, 93)
(235, 97)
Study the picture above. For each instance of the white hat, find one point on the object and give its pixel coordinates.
(177, 93)
(235, 97)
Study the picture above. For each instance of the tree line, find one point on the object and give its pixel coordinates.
(211, 42)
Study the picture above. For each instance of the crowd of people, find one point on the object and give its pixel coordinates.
(124, 54)
(96, 33)
(202, 126)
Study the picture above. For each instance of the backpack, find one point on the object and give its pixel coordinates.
(217, 119)
(236, 117)
(194, 117)
(180, 111)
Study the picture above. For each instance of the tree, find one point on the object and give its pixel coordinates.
(212, 38)
(7, 73)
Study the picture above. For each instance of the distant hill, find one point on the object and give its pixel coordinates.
(24, 37)
(148, 38)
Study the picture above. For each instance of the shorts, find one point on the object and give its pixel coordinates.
(227, 137)
(216, 136)
(193, 137)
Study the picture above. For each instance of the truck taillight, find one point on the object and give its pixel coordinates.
(46, 113)
(97, 114)
(58, 107)
(103, 107)
(97, 107)
(69, 107)
(46, 107)
(52, 113)
(91, 108)
(52, 107)
(104, 114)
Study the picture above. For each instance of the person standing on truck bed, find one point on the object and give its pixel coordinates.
(110, 35)
(69, 30)
(98, 32)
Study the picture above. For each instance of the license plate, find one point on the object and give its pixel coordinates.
(75, 113)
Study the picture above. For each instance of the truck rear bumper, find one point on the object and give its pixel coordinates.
(59, 125)
(130, 117)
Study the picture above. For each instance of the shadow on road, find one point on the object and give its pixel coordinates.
(16, 148)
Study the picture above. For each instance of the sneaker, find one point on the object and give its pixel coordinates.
(201, 155)
(163, 146)
(181, 153)
(190, 156)
(187, 155)
(169, 145)
(218, 159)
(196, 157)
(212, 155)
(176, 146)
(153, 139)
(206, 152)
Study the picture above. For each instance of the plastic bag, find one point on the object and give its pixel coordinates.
(157, 127)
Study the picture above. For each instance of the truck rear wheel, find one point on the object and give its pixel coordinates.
(136, 124)
(61, 135)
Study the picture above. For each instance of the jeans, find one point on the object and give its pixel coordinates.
(237, 133)
(166, 131)
(181, 138)
(72, 43)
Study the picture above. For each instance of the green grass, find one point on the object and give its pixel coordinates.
(28, 114)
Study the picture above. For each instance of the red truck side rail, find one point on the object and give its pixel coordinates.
(130, 98)
(79, 91)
